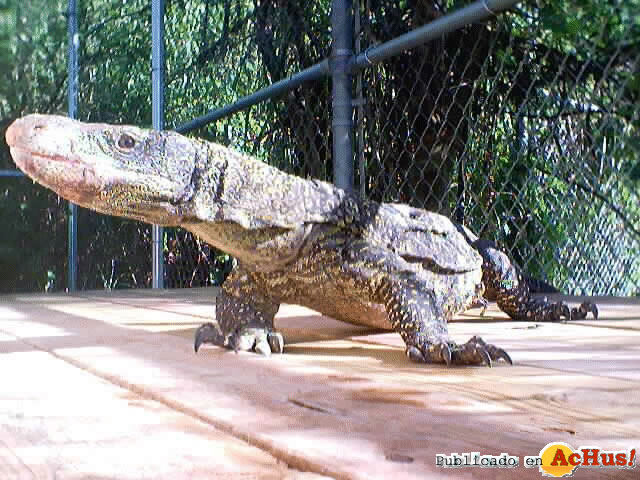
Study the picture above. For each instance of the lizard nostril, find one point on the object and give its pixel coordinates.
(39, 127)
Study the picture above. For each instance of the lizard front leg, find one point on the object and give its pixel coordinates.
(244, 315)
(414, 313)
(414, 308)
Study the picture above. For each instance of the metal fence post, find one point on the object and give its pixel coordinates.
(342, 121)
(157, 80)
(74, 45)
(359, 103)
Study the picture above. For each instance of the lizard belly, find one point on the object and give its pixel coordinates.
(320, 283)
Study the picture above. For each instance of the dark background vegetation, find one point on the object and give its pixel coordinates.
(526, 127)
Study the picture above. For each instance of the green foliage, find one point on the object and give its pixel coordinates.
(33, 239)
(527, 125)
(33, 244)
(571, 125)
(534, 117)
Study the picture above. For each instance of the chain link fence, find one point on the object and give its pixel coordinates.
(263, 42)
(524, 127)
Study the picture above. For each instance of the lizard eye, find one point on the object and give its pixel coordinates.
(126, 141)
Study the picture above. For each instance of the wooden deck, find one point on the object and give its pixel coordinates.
(107, 386)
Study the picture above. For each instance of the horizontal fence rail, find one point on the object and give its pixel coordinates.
(11, 173)
(478, 11)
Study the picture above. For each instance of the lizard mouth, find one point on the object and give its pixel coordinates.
(68, 177)
(33, 143)
(26, 159)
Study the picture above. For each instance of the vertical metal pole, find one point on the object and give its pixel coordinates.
(157, 113)
(362, 167)
(342, 122)
(74, 45)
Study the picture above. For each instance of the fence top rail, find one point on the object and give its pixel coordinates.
(11, 173)
(314, 72)
(474, 12)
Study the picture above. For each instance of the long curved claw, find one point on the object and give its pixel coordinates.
(208, 333)
(494, 353)
(583, 310)
(486, 358)
(197, 343)
(445, 353)
(499, 353)
(276, 342)
(415, 355)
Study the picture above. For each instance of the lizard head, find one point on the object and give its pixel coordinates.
(118, 170)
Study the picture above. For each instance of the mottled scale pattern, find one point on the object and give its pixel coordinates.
(513, 295)
(296, 241)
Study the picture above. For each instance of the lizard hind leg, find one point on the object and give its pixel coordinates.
(514, 296)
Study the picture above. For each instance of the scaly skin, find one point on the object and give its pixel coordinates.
(296, 241)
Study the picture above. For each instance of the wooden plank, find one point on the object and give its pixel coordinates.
(344, 401)
(60, 422)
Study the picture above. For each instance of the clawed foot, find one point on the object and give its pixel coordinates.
(578, 313)
(259, 340)
(541, 310)
(475, 352)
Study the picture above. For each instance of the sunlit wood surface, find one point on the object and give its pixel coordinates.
(104, 386)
